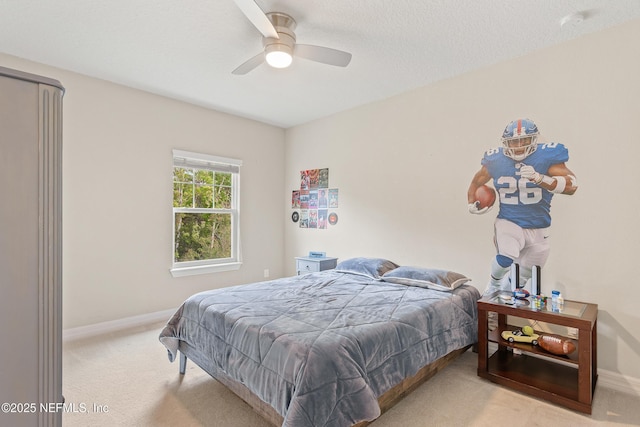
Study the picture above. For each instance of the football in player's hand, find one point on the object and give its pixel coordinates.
(486, 196)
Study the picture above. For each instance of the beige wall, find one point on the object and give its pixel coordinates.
(403, 166)
(117, 196)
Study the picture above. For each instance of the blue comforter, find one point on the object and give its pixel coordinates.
(321, 348)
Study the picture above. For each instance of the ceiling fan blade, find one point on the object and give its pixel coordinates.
(325, 55)
(258, 18)
(249, 65)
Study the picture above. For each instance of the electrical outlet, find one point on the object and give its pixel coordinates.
(266, 273)
(572, 333)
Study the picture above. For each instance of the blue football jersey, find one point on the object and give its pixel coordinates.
(522, 201)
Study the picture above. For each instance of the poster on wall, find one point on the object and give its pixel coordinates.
(304, 218)
(323, 201)
(322, 218)
(313, 199)
(333, 197)
(304, 199)
(323, 178)
(304, 180)
(313, 218)
(313, 178)
(295, 199)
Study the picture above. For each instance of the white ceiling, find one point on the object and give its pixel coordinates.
(186, 49)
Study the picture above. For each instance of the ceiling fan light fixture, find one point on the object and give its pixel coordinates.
(278, 55)
(279, 52)
(279, 41)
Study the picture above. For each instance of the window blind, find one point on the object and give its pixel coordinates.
(185, 159)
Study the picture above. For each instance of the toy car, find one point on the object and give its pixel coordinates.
(520, 336)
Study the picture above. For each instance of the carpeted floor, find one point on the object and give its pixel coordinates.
(125, 379)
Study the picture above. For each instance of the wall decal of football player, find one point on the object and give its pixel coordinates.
(526, 176)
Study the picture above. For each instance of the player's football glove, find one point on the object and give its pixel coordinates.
(473, 208)
(530, 173)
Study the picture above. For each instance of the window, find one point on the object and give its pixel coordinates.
(206, 215)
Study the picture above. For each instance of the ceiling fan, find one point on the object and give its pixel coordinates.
(279, 41)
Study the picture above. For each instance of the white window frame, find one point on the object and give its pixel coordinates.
(190, 159)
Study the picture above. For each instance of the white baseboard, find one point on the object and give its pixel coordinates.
(116, 325)
(615, 381)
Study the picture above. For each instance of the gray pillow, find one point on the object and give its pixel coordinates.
(431, 278)
(369, 267)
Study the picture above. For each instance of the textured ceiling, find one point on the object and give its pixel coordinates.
(186, 49)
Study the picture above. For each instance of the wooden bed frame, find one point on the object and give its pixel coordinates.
(266, 411)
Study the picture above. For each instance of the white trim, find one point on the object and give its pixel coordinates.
(206, 266)
(204, 269)
(615, 381)
(116, 325)
(207, 157)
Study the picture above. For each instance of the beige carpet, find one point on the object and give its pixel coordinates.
(125, 379)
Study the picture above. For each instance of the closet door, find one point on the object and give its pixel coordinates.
(30, 249)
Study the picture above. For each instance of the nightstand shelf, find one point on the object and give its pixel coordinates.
(494, 336)
(535, 376)
(567, 380)
(306, 265)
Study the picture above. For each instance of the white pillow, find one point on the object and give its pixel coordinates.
(431, 278)
(369, 267)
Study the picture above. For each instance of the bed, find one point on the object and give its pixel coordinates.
(331, 348)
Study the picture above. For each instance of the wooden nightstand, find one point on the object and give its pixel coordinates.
(307, 264)
(565, 380)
